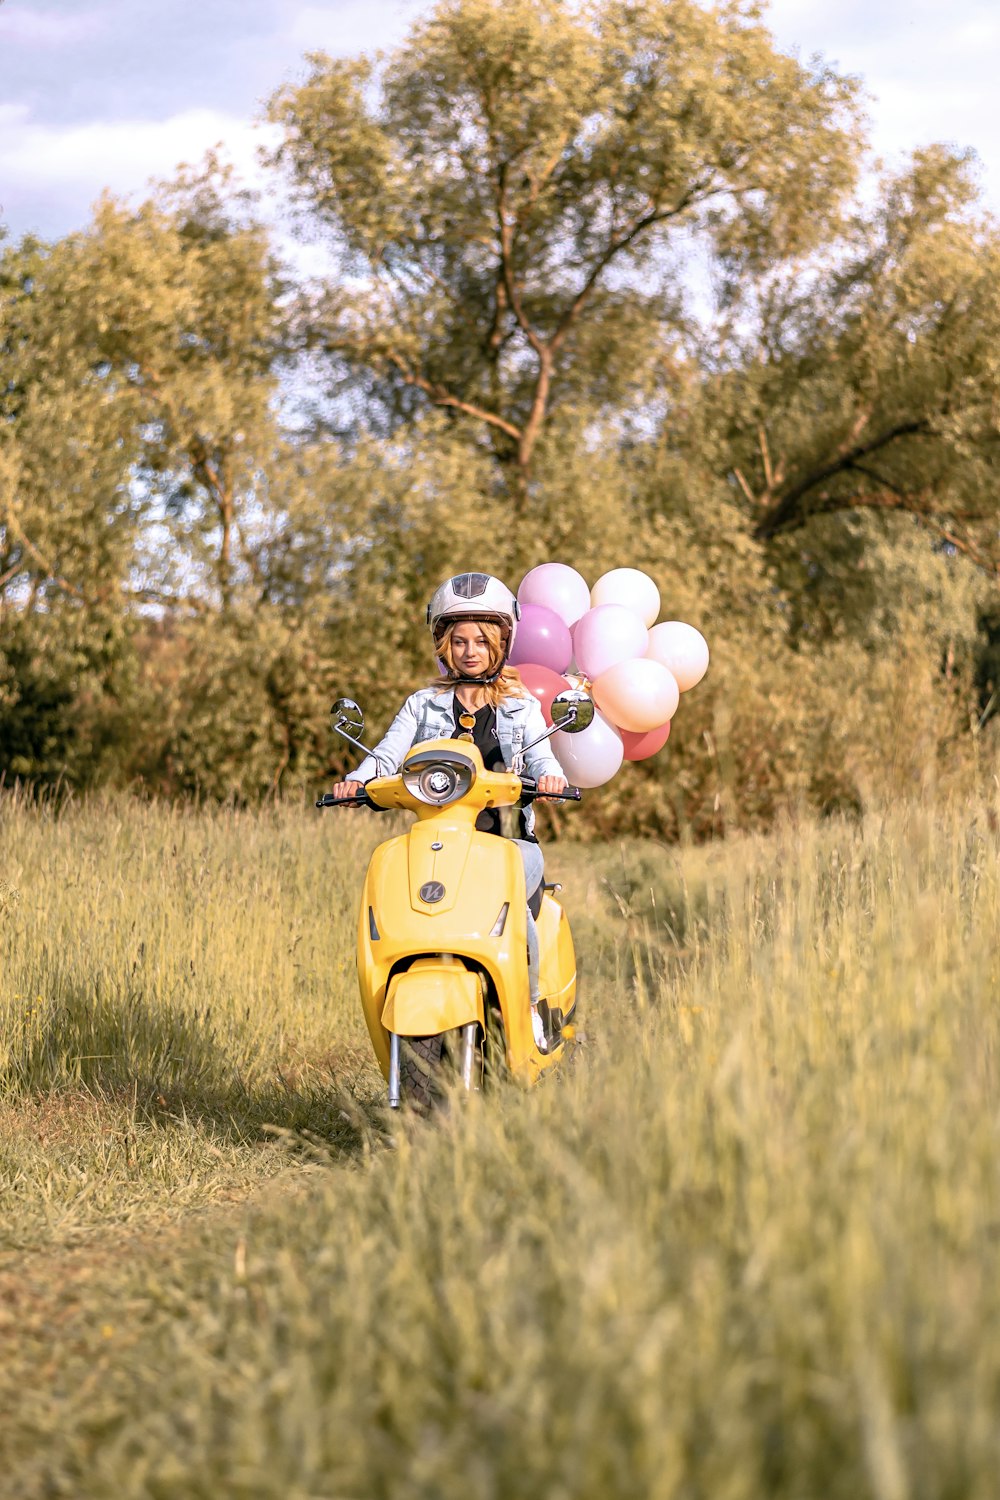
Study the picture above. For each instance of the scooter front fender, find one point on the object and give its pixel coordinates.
(433, 996)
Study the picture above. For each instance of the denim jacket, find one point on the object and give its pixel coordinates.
(429, 714)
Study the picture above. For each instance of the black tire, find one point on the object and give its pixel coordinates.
(420, 1072)
(495, 1051)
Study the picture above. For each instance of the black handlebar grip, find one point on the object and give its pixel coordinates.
(361, 799)
(529, 791)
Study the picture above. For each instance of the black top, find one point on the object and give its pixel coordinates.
(484, 737)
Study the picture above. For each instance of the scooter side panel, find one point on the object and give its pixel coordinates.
(557, 967)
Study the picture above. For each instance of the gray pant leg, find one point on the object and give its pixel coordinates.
(534, 869)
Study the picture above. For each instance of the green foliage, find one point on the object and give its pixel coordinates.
(60, 438)
(505, 188)
(867, 379)
(182, 317)
(139, 363)
(67, 695)
(237, 707)
(601, 290)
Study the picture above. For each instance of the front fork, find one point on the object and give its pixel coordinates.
(393, 1070)
(468, 1062)
(468, 1054)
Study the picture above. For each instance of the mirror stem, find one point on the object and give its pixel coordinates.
(339, 729)
(520, 756)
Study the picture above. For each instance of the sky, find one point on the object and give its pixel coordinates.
(114, 93)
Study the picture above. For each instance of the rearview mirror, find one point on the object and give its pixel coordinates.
(349, 715)
(572, 711)
(349, 722)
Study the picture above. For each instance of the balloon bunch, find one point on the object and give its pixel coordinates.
(605, 639)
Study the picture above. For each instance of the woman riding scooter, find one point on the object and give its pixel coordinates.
(473, 621)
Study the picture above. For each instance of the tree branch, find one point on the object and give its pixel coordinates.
(740, 478)
(613, 249)
(439, 395)
(146, 594)
(506, 226)
(966, 545)
(10, 573)
(51, 575)
(787, 515)
(537, 183)
(919, 506)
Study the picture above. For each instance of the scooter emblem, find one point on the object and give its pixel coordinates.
(431, 892)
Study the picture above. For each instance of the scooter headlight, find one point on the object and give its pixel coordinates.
(437, 779)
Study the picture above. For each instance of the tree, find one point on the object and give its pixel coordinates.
(67, 519)
(145, 346)
(505, 190)
(870, 382)
(137, 375)
(68, 528)
(182, 318)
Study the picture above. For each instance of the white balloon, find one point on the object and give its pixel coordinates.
(591, 757)
(630, 587)
(638, 695)
(605, 635)
(682, 649)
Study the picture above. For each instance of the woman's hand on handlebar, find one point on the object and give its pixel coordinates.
(549, 786)
(346, 789)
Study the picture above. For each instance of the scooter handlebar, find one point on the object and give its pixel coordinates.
(529, 791)
(361, 799)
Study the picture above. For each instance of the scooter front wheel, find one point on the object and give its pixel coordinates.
(420, 1071)
(425, 1060)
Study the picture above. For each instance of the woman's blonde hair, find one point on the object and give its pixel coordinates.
(507, 685)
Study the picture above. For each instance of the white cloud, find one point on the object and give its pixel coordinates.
(351, 25)
(39, 28)
(73, 164)
(182, 88)
(929, 72)
(981, 36)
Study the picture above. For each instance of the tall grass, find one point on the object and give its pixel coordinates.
(746, 1244)
(158, 944)
(178, 987)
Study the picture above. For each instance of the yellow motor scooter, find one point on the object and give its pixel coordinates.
(442, 932)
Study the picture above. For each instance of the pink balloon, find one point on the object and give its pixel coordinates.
(637, 695)
(543, 638)
(591, 757)
(642, 746)
(557, 587)
(543, 684)
(606, 635)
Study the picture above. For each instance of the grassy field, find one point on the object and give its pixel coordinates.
(747, 1243)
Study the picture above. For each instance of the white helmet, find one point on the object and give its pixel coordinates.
(474, 596)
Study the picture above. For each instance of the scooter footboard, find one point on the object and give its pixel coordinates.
(431, 996)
